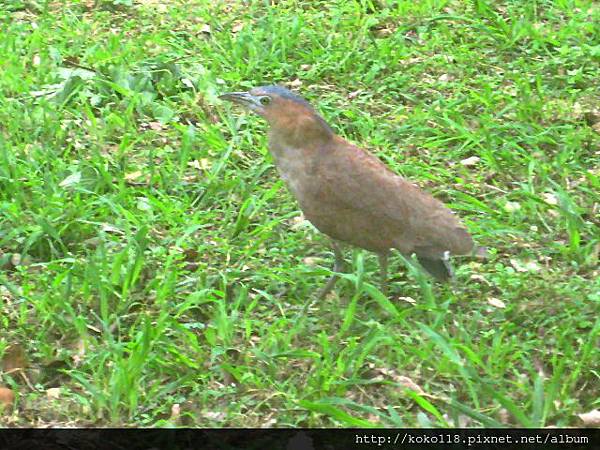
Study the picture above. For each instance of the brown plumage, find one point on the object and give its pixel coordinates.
(349, 194)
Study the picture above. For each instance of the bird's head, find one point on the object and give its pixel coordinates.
(282, 109)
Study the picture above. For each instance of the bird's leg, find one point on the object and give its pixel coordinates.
(383, 268)
(337, 267)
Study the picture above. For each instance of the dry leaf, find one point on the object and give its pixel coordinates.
(5, 294)
(237, 27)
(311, 260)
(79, 352)
(496, 302)
(269, 423)
(354, 94)
(72, 179)
(143, 204)
(590, 419)
(383, 32)
(410, 300)
(504, 416)
(400, 379)
(295, 84)
(476, 276)
(205, 29)
(190, 178)
(156, 126)
(512, 206)
(133, 175)
(53, 393)
(471, 161)
(410, 384)
(298, 222)
(108, 228)
(550, 198)
(213, 415)
(409, 61)
(15, 259)
(175, 412)
(200, 164)
(524, 266)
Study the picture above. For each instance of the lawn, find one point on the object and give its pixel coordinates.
(154, 269)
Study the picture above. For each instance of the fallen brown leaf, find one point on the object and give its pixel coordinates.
(470, 161)
(524, 266)
(496, 302)
(354, 94)
(200, 164)
(133, 175)
(298, 222)
(15, 259)
(311, 260)
(383, 373)
(175, 413)
(295, 83)
(237, 27)
(512, 207)
(213, 415)
(590, 419)
(410, 384)
(550, 198)
(79, 352)
(53, 393)
(108, 228)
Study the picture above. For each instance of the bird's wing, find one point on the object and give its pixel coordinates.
(356, 179)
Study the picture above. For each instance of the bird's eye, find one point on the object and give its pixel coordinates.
(265, 100)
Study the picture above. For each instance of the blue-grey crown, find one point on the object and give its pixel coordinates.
(285, 93)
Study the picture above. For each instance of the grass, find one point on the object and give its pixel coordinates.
(154, 267)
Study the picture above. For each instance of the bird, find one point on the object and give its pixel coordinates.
(350, 195)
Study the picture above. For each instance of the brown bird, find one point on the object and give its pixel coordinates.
(349, 194)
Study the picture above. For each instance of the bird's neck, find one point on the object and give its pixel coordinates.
(305, 131)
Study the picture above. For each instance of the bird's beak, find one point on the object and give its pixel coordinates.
(241, 98)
